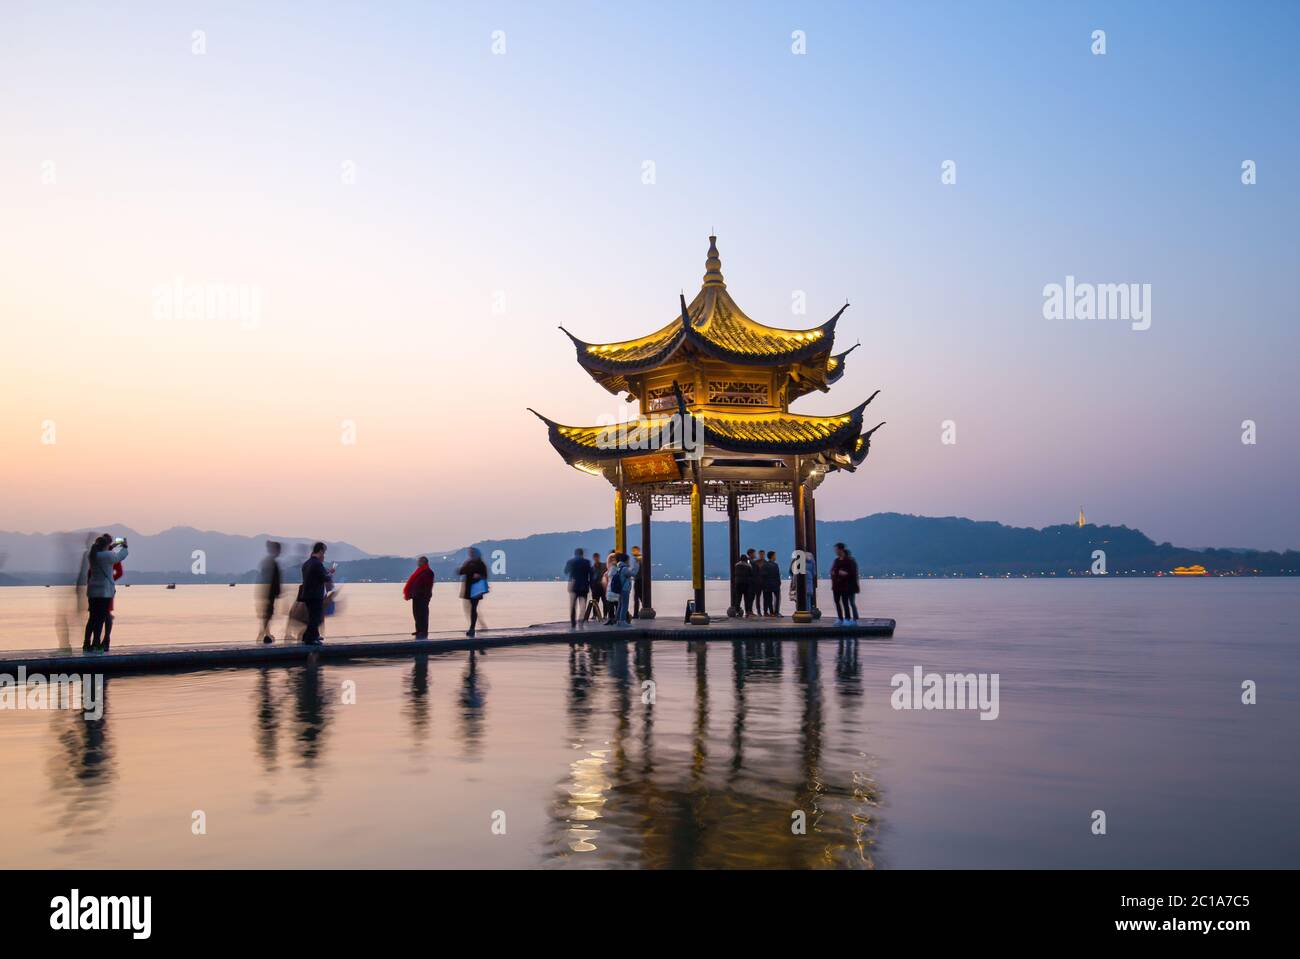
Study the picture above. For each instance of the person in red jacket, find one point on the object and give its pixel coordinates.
(419, 590)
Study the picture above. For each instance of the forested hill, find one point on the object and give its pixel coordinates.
(885, 544)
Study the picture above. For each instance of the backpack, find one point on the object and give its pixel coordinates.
(616, 581)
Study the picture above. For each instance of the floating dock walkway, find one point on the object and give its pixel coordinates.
(142, 659)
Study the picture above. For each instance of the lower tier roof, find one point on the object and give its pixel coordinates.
(766, 432)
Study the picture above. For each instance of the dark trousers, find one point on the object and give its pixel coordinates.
(751, 599)
(99, 617)
(578, 601)
(473, 613)
(769, 602)
(846, 606)
(315, 616)
(265, 615)
(420, 610)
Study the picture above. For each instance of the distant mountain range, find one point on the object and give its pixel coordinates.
(38, 556)
(885, 544)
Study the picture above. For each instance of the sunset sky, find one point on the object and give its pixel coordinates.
(418, 213)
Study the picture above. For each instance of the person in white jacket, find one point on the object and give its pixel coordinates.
(100, 589)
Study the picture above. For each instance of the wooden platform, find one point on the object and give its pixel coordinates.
(133, 659)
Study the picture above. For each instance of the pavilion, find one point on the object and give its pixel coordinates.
(714, 426)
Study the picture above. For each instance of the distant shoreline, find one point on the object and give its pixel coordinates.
(885, 545)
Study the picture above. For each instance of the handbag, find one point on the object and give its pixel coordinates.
(478, 588)
(298, 612)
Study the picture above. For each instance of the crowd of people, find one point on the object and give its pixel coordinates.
(756, 584)
(606, 591)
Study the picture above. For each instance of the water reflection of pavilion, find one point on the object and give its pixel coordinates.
(674, 765)
(654, 797)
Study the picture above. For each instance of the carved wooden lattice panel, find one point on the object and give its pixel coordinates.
(744, 501)
(748, 494)
(660, 398)
(662, 501)
(738, 393)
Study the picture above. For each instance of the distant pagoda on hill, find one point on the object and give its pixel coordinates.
(714, 426)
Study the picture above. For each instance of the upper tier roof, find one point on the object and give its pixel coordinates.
(714, 325)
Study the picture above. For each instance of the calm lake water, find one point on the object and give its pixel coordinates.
(1121, 695)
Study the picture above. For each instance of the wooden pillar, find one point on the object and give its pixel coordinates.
(801, 611)
(620, 515)
(647, 568)
(810, 534)
(733, 538)
(700, 617)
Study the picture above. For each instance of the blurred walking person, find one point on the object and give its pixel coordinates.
(72, 609)
(845, 586)
(268, 589)
(100, 590)
(315, 584)
(474, 585)
(419, 591)
(578, 572)
(597, 583)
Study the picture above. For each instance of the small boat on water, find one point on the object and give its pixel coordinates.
(171, 585)
(1197, 570)
(232, 584)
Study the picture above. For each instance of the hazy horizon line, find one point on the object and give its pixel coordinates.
(631, 522)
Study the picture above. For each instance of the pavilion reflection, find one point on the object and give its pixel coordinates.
(644, 666)
(675, 795)
(753, 661)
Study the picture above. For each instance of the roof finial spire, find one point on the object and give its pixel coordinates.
(713, 265)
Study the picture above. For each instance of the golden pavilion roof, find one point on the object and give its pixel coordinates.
(769, 432)
(714, 325)
(738, 422)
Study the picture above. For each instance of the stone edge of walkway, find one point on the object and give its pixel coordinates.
(181, 659)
